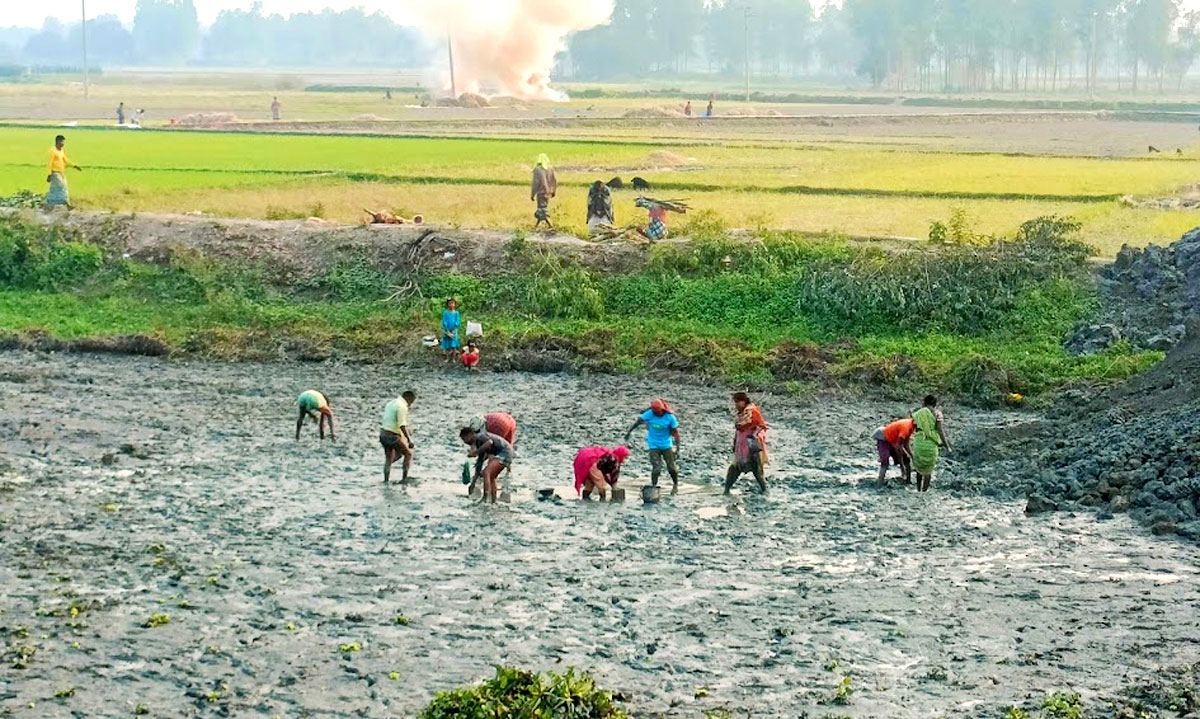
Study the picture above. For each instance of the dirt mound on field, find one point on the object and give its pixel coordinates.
(666, 158)
(207, 119)
(652, 113)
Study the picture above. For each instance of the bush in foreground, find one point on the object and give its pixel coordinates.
(523, 694)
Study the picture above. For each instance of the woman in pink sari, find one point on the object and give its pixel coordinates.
(598, 468)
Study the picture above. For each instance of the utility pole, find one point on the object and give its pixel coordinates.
(746, 29)
(450, 52)
(83, 11)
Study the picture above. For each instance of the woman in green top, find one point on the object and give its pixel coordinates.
(312, 402)
(927, 441)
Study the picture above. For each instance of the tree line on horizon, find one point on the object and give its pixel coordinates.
(905, 45)
(901, 45)
(168, 32)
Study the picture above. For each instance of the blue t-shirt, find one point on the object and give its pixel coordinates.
(658, 429)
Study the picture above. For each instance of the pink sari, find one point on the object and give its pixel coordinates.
(587, 457)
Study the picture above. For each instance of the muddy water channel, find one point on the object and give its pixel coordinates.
(165, 543)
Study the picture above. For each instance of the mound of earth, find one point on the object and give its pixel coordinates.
(666, 158)
(1148, 294)
(207, 119)
(1130, 448)
(652, 112)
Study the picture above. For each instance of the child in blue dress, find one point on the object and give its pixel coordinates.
(451, 322)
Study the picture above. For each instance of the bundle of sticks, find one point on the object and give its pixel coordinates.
(679, 206)
(606, 233)
(383, 217)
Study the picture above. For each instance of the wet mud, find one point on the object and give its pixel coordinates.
(166, 545)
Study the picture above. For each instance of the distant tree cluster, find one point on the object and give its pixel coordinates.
(928, 45)
(168, 32)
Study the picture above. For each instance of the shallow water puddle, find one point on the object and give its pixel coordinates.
(269, 557)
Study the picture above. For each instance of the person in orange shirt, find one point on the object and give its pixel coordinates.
(58, 194)
(892, 441)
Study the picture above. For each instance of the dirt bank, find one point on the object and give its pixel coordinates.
(1134, 447)
(133, 489)
(299, 248)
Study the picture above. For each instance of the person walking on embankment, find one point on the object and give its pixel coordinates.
(58, 195)
(543, 187)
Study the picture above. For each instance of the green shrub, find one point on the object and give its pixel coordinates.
(522, 694)
(67, 265)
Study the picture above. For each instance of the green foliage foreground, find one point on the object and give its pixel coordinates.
(982, 320)
(521, 694)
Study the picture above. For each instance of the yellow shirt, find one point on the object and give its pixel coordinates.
(58, 160)
(395, 415)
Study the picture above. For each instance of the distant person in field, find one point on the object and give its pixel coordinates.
(394, 436)
(597, 469)
(58, 195)
(451, 329)
(314, 404)
(894, 443)
(599, 206)
(470, 356)
(136, 120)
(662, 439)
(708, 111)
(687, 109)
(121, 113)
(492, 455)
(749, 443)
(275, 109)
(927, 441)
(543, 187)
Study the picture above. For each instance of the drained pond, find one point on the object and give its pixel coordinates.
(166, 547)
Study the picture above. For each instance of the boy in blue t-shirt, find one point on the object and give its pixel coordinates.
(662, 439)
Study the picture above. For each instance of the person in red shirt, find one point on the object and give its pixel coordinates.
(749, 443)
(470, 358)
(892, 441)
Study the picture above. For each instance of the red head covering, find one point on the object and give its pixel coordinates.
(660, 405)
(621, 453)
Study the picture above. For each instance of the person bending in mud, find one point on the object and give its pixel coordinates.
(597, 469)
(394, 436)
(498, 423)
(894, 442)
(492, 454)
(662, 439)
(927, 441)
(749, 443)
(314, 404)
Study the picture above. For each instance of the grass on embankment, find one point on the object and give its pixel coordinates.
(977, 321)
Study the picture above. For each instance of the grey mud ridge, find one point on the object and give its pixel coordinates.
(164, 544)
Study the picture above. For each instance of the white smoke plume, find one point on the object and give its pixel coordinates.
(507, 45)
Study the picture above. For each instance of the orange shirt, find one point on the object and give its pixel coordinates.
(898, 431)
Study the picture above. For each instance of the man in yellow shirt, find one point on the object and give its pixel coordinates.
(57, 178)
(394, 436)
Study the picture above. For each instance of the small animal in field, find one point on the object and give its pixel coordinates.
(615, 184)
(640, 184)
(1179, 151)
(1153, 149)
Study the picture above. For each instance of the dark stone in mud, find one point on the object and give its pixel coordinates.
(1037, 504)
(1163, 528)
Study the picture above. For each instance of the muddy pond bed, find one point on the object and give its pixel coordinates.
(167, 548)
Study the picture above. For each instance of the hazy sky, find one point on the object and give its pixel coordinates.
(31, 14)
